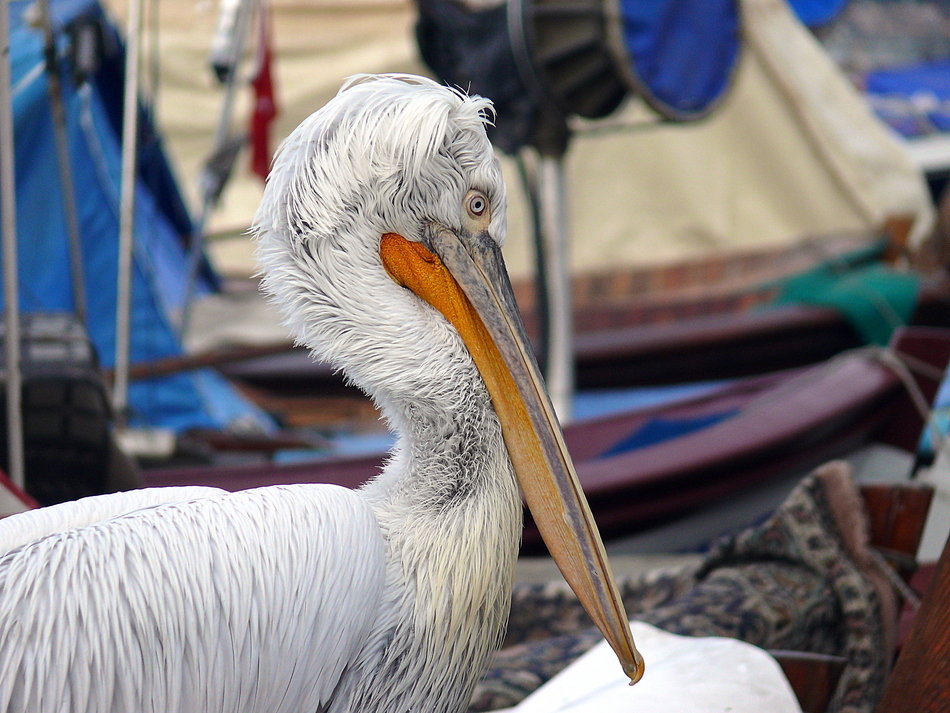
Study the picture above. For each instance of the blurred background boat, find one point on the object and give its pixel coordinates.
(743, 443)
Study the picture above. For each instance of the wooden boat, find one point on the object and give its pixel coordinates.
(699, 320)
(652, 465)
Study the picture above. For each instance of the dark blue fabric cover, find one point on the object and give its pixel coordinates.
(817, 12)
(682, 51)
(660, 429)
(914, 100)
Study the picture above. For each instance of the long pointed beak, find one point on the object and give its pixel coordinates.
(464, 277)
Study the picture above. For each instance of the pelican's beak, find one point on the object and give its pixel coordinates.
(464, 277)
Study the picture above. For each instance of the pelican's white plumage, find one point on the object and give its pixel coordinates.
(192, 606)
(309, 597)
(16, 532)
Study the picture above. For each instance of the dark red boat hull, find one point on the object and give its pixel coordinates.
(784, 423)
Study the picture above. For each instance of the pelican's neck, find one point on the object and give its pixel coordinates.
(449, 472)
(449, 508)
(449, 449)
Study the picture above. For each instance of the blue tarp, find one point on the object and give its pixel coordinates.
(939, 421)
(162, 224)
(682, 52)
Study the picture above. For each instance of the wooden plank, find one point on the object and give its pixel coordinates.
(920, 681)
(813, 677)
(896, 516)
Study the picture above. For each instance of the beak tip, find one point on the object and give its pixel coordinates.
(635, 671)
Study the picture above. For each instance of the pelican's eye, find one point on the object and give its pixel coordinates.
(476, 203)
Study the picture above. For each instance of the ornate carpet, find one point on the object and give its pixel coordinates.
(803, 580)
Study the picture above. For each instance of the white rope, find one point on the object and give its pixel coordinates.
(895, 580)
(903, 366)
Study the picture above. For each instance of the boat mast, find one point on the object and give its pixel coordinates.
(130, 117)
(62, 156)
(11, 286)
(555, 262)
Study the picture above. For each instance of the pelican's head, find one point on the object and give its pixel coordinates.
(380, 236)
(389, 155)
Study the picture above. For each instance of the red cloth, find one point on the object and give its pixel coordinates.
(265, 107)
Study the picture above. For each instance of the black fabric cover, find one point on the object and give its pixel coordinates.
(472, 50)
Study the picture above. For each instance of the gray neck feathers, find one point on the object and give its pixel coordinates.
(450, 494)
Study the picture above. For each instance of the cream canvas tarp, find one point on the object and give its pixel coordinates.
(793, 151)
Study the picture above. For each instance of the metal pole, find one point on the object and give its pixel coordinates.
(528, 169)
(65, 168)
(130, 117)
(211, 183)
(10, 282)
(554, 260)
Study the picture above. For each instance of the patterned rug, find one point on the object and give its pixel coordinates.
(803, 580)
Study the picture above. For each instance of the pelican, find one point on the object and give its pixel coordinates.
(379, 237)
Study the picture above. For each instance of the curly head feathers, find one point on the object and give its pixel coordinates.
(385, 150)
(387, 154)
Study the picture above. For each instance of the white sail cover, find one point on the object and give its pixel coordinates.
(792, 152)
(683, 673)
